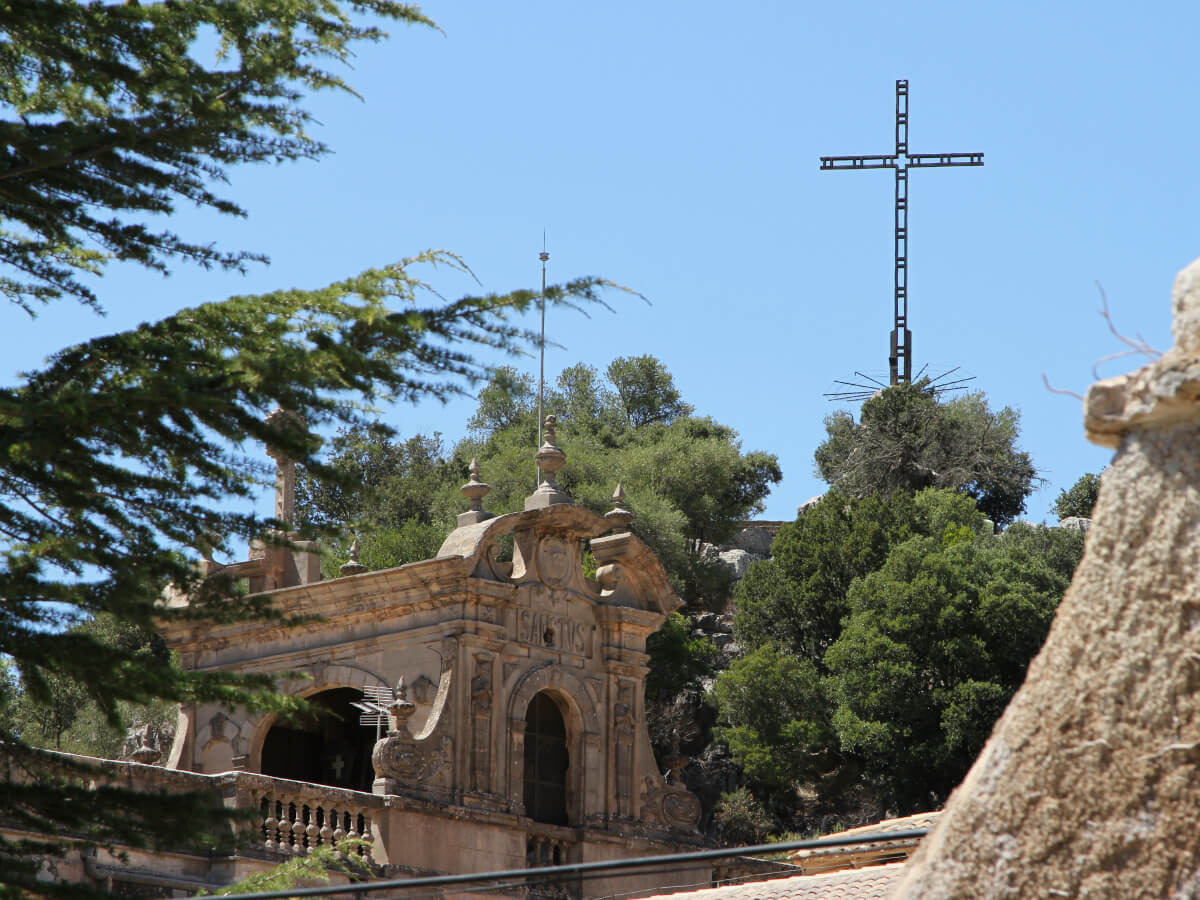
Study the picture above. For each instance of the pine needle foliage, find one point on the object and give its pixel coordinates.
(121, 456)
(119, 112)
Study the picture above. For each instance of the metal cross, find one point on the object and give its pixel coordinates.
(901, 161)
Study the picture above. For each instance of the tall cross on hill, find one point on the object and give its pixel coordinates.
(900, 358)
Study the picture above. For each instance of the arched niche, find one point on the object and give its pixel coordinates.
(547, 761)
(581, 727)
(330, 748)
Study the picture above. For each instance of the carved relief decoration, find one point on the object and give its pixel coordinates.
(623, 731)
(423, 690)
(408, 762)
(554, 560)
(402, 759)
(481, 720)
(669, 805)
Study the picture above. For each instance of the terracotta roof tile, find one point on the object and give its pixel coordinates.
(872, 883)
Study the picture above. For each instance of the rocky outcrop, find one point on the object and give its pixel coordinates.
(1088, 785)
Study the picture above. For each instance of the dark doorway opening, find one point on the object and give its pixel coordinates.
(329, 747)
(546, 762)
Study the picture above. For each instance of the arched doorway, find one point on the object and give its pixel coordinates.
(329, 747)
(546, 761)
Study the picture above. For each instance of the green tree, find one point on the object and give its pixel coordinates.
(508, 400)
(390, 496)
(799, 597)
(883, 639)
(776, 718)
(908, 438)
(678, 661)
(937, 641)
(1079, 498)
(646, 390)
(70, 720)
(121, 453)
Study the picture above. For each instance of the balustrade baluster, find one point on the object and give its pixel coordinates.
(310, 829)
(326, 833)
(269, 824)
(296, 814)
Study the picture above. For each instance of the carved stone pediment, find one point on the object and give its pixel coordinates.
(548, 547)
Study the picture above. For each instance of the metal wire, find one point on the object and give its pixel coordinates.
(583, 871)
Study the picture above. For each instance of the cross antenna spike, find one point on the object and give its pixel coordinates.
(900, 358)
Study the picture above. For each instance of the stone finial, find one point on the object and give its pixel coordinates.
(474, 490)
(396, 758)
(620, 515)
(352, 566)
(145, 754)
(550, 458)
(401, 708)
(675, 761)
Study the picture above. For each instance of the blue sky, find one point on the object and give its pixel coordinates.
(673, 147)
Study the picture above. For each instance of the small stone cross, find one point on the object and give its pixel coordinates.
(337, 766)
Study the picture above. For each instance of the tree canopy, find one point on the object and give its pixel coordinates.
(1079, 498)
(686, 477)
(121, 454)
(909, 438)
(882, 640)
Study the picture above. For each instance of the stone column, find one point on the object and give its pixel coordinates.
(1088, 785)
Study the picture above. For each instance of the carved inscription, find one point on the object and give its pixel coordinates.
(556, 632)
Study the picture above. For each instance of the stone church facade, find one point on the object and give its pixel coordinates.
(482, 710)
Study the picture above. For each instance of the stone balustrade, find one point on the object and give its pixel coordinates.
(543, 849)
(294, 816)
(548, 845)
(299, 817)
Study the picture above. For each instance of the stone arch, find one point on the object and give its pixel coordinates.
(561, 680)
(582, 723)
(325, 678)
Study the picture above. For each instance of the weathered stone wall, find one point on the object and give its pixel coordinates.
(1089, 785)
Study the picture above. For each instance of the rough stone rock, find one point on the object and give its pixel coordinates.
(808, 504)
(708, 622)
(1089, 784)
(1075, 523)
(738, 561)
(756, 541)
(721, 641)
